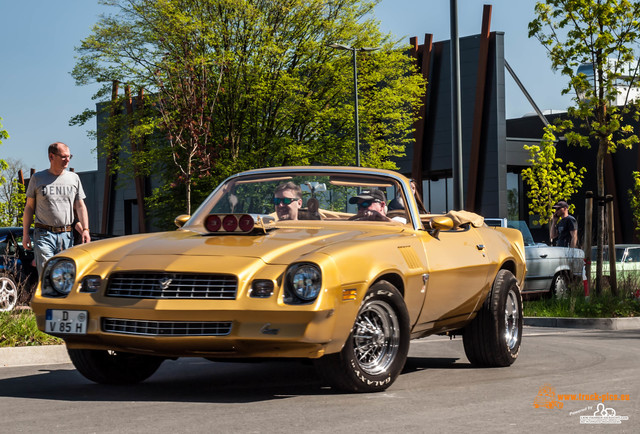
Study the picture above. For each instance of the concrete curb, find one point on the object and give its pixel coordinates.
(585, 323)
(57, 354)
(34, 355)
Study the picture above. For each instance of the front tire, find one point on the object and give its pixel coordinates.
(114, 367)
(376, 350)
(493, 338)
(8, 293)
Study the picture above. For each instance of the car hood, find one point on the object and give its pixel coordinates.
(280, 246)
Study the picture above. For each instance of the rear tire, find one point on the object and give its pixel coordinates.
(493, 338)
(114, 367)
(560, 285)
(376, 350)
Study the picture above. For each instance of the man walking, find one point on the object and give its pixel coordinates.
(565, 230)
(53, 195)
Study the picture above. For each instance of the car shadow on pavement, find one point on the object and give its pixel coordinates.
(183, 380)
(421, 363)
(192, 380)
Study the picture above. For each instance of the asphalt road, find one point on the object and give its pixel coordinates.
(438, 392)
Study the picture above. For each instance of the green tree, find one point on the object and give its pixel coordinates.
(3, 133)
(634, 197)
(5, 217)
(251, 83)
(548, 180)
(603, 34)
(12, 193)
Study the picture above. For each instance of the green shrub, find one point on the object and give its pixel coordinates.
(576, 305)
(18, 329)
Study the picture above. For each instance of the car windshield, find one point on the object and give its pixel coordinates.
(605, 253)
(633, 254)
(291, 196)
(6, 244)
(522, 227)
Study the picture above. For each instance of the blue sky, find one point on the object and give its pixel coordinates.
(38, 95)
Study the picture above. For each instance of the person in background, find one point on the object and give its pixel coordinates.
(563, 227)
(53, 195)
(416, 195)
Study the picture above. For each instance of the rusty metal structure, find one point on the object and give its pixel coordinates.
(484, 145)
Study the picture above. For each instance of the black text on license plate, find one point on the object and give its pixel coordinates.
(66, 321)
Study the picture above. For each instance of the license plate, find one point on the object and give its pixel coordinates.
(68, 322)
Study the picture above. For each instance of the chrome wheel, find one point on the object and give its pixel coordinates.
(494, 336)
(376, 337)
(560, 287)
(511, 320)
(375, 352)
(8, 294)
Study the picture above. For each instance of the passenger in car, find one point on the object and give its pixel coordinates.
(287, 200)
(371, 206)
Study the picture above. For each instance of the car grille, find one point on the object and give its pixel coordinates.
(166, 328)
(175, 286)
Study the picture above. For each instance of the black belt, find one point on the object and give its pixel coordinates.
(54, 229)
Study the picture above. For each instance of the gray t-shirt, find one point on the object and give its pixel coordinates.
(55, 196)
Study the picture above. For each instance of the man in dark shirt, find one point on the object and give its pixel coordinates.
(565, 230)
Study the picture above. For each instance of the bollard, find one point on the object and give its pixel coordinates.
(585, 278)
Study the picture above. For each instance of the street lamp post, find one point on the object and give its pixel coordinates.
(354, 50)
(456, 110)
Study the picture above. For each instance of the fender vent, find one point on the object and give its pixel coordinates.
(410, 257)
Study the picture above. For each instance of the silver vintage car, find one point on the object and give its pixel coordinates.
(550, 269)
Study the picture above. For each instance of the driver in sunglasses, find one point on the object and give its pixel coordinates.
(371, 206)
(287, 200)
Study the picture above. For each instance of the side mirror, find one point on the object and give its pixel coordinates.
(181, 220)
(440, 223)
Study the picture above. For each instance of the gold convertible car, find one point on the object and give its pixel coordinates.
(335, 264)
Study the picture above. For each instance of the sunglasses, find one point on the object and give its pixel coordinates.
(64, 157)
(283, 200)
(367, 203)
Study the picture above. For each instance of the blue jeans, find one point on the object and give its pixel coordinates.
(46, 244)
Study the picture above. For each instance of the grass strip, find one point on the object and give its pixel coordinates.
(604, 305)
(18, 329)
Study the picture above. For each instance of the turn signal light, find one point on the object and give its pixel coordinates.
(262, 288)
(90, 284)
(349, 294)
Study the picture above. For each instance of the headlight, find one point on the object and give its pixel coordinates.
(304, 281)
(60, 275)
